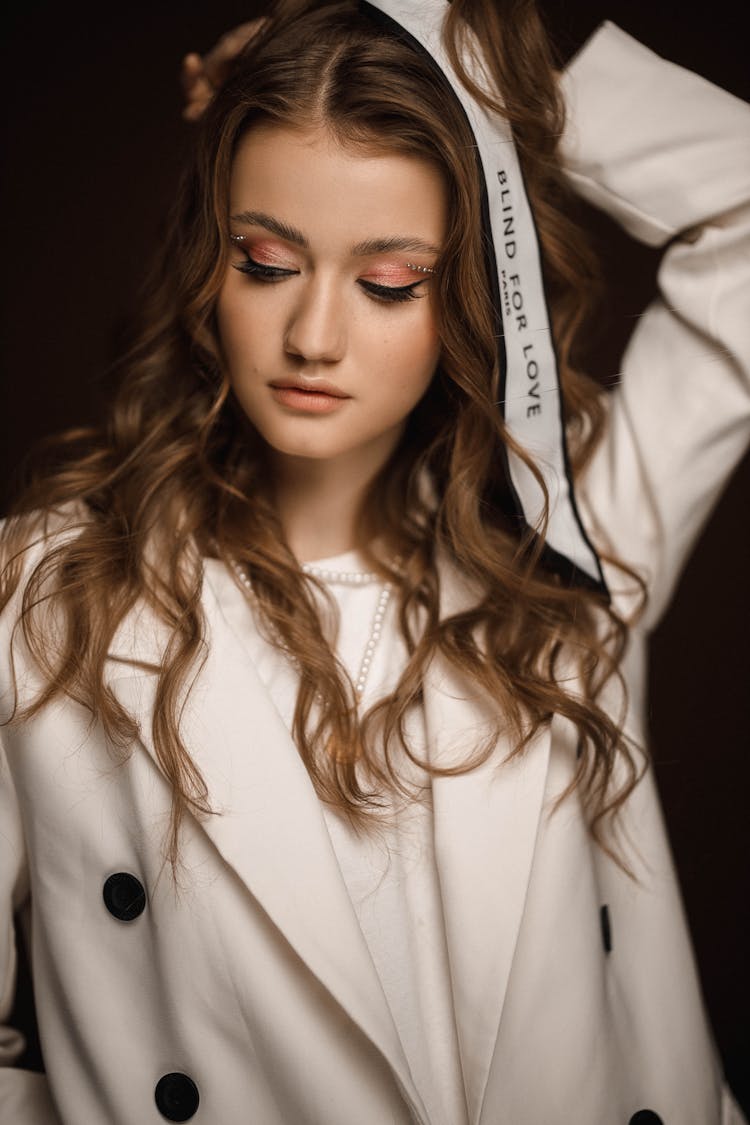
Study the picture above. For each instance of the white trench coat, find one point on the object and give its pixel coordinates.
(251, 982)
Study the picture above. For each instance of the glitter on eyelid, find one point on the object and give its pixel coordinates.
(264, 251)
(391, 274)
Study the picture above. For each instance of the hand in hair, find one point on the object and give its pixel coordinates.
(202, 75)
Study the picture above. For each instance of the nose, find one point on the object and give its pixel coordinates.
(316, 329)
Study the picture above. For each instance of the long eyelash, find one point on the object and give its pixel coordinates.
(385, 293)
(390, 292)
(257, 269)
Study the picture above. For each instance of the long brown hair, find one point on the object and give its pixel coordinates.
(178, 470)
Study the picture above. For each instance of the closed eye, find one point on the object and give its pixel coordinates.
(262, 272)
(385, 293)
(392, 292)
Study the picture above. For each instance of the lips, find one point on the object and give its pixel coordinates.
(309, 386)
(303, 396)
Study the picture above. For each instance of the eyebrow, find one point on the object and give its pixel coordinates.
(291, 234)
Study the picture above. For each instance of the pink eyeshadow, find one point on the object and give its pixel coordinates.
(267, 253)
(394, 275)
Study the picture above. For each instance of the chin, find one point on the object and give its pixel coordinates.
(312, 449)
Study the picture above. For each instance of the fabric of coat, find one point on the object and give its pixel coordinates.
(248, 993)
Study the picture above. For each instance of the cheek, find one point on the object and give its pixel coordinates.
(228, 323)
(401, 382)
(237, 322)
(414, 354)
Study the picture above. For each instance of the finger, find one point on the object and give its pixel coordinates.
(239, 37)
(193, 111)
(199, 99)
(190, 72)
(218, 62)
(192, 62)
(200, 95)
(200, 77)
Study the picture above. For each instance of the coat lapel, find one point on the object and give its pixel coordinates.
(485, 827)
(269, 827)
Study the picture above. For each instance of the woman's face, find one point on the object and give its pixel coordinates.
(328, 335)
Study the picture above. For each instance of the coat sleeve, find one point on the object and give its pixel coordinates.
(667, 155)
(24, 1095)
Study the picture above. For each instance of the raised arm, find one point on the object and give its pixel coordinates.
(667, 155)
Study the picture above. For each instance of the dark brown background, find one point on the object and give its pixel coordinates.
(92, 143)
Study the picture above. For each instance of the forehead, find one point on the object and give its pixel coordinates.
(337, 195)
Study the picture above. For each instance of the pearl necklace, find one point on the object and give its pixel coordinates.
(342, 578)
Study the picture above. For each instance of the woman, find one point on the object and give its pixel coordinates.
(325, 796)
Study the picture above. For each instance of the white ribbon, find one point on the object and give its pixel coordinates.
(531, 400)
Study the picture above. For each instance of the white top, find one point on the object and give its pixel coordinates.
(391, 875)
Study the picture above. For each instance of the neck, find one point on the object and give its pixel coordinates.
(319, 501)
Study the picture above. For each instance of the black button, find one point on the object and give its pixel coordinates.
(176, 1097)
(607, 943)
(645, 1117)
(124, 896)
